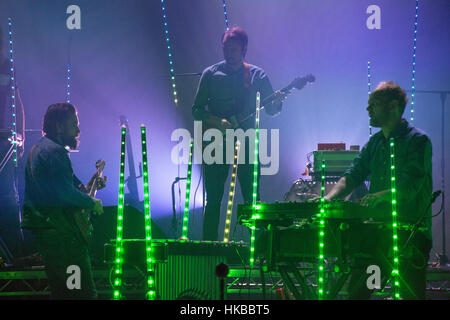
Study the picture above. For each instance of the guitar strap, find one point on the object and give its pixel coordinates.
(246, 75)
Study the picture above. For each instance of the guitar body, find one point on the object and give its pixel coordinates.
(83, 221)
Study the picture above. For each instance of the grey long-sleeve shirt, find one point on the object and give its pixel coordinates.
(224, 93)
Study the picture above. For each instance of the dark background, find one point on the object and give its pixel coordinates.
(120, 67)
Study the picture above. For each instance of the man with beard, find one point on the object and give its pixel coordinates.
(52, 193)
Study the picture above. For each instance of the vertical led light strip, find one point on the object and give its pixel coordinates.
(413, 79)
(369, 90)
(12, 70)
(395, 268)
(169, 52)
(68, 82)
(188, 192)
(151, 293)
(255, 181)
(119, 238)
(321, 235)
(225, 14)
(226, 233)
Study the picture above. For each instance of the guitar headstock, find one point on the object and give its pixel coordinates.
(300, 82)
(100, 165)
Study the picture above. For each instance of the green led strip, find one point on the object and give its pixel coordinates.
(226, 233)
(188, 191)
(151, 293)
(255, 181)
(119, 240)
(321, 215)
(395, 269)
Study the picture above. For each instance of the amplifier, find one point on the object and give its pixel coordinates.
(336, 161)
(184, 269)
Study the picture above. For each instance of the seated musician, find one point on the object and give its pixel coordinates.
(414, 189)
(52, 193)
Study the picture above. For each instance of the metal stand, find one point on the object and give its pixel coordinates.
(443, 259)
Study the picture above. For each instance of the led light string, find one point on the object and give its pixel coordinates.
(12, 70)
(413, 78)
(188, 191)
(151, 292)
(68, 82)
(321, 236)
(255, 182)
(395, 270)
(169, 52)
(226, 233)
(225, 14)
(369, 90)
(120, 208)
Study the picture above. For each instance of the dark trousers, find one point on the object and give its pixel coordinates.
(412, 264)
(215, 176)
(59, 252)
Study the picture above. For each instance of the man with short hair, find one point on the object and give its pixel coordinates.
(226, 96)
(52, 194)
(413, 191)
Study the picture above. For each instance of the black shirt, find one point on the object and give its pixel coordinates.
(413, 168)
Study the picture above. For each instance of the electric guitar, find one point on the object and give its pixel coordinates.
(298, 83)
(83, 217)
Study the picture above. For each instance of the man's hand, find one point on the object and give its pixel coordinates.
(98, 208)
(375, 199)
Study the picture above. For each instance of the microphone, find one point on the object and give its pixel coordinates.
(435, 195)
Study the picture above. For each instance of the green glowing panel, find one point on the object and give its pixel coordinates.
(117, 274)
(226, 233)
(188, 191)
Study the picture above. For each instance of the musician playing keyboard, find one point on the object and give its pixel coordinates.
(414, 189)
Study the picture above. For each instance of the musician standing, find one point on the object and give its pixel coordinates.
(226, 95)
(413, 186)
(52, 193)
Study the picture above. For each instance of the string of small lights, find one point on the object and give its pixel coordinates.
(169, 52)
(321, 215)
(188, 191)
(68, 82)
(255, 182)
(151, 293)
(120, 208)
(369, 89)
(12, 70)
(225, 14)
(413, 78)
(226, 233)
(395, 268)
